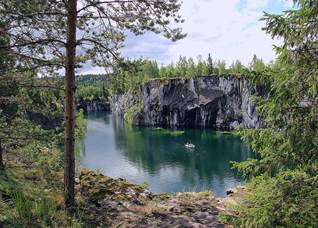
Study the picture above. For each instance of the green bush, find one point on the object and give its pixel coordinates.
(288, 200)
(132, 113)
(283, 191)
(81, 124)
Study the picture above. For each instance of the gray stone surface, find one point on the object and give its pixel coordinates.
(93, 106)
(221, 102)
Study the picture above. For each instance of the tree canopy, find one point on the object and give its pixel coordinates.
(284, 185)
(48, 35)
(37, 29)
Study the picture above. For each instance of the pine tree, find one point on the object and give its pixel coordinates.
(220, 67)
(237, 67)
(210, 65)
(191, 68)
(284, 186)
(40, 39)
(200, 66)
(257, 64)
(181, 66)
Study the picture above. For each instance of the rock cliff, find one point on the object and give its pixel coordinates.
(211, 101)
(93, 106)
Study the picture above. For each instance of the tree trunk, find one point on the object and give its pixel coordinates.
(69, 112)
(1, 157)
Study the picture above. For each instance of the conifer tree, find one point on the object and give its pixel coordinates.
(210, 64)
(284, 186)
(257, 64)
(236, 67)
(48, 35)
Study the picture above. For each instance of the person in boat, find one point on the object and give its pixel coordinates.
(189, 145)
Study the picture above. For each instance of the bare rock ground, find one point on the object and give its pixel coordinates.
(107, 202)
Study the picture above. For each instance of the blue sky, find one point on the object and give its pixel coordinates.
(228, 29)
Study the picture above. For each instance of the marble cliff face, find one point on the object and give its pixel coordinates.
(218, 102)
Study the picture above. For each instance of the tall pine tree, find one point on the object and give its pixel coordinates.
(284, 186)
(48, 35)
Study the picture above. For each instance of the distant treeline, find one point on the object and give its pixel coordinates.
(91, 79)
(92, 87)
(130, 74)
(135, 72)
(187, 67)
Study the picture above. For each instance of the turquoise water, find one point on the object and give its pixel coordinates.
(159, 158)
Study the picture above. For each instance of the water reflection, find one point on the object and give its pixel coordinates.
(159, 157)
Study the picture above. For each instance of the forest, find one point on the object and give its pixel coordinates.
(42, 183)
(133, 73)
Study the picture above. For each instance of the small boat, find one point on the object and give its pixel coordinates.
(189, 145)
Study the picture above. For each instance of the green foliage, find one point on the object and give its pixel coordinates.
(191, 69)
(92, 79)
(35, 33)
(288, 200)
(130, 74)
(130, 115)
(22, 205)
(182, 66)
(8, 90)
(257, 65)
(237, 68)
(134, 110)
(28, 209)
(89, 93)
(169, 132)
(31, 189)
(43, 209)
(6, 61)
(81, 125)
(220, 67)
(187, 67)
(28, 113)
(210, 64)
(24, 19)
(150, 69)
(92, 87)
(145, 185)
(283, 191)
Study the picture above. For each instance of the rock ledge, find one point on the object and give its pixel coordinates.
(109, 202)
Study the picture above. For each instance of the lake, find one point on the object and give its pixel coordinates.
(159, 158)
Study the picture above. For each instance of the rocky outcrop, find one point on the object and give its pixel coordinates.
(107, 202)
(219, 102)
(93, 106)
(122, 103)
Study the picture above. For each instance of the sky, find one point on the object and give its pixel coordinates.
(228, 29)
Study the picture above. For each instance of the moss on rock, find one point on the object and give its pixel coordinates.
(96, 187)
(109, 202)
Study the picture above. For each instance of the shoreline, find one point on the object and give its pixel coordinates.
(118, 203)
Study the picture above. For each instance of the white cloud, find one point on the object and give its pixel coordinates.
(224, 30)
(228, 29)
